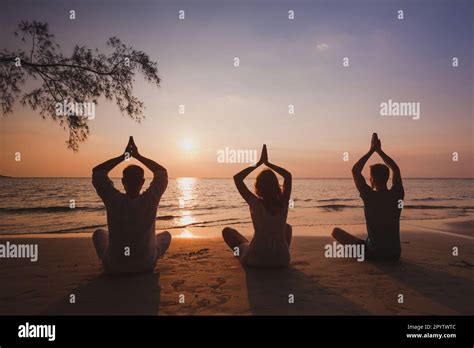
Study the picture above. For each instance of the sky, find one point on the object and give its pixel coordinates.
(282, 62)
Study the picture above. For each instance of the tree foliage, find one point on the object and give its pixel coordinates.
(84, 76)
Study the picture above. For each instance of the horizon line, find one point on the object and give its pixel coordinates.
(220, 178)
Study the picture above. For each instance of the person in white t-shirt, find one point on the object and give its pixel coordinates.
(130, 245)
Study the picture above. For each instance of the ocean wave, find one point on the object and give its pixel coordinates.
(86, 228)
(193, 207)
(337, 207)
(205, 209)
(433, 199)
(207, 223)
(437, 207)
(336, 200)
(81, 228)
(54, 209)
(215, 207)
(167, 217)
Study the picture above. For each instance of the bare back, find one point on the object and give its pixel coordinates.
(268, 246)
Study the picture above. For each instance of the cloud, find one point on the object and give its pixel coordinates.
(322, 46)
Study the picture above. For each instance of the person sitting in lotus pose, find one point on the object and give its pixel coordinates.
(269, 209)
(382, 207)
(130, 245)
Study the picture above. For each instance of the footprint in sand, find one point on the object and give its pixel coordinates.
(199, 252)
(175, 256)
(220, 281)
(222, 299)
(196, 254)
(207, 303)
(203, 303)
(177, 284)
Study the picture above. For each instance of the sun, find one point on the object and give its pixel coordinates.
(187, 144)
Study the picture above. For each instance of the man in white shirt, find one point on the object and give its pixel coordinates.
(130, 245)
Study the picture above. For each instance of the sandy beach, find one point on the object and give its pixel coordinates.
(202, 273)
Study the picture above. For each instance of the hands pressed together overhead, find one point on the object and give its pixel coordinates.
(375, 144)
(263, 156)
(131, 148)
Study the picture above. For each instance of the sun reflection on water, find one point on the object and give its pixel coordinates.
(186, 234)
(186, 187)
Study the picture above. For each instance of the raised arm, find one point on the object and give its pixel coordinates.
(359, 179)
(246, 194)
(287, 179)
(110, 164)
(397, 176)
(100, 176)
(150, 164)
(107, 166)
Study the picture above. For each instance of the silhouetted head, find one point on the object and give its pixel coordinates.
(379, 174)
(133, 180)
(268, 189)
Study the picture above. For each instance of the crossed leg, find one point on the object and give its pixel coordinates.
(100, 238)
(101, 242)
(163, 241)
(344, 237)
(234, 239)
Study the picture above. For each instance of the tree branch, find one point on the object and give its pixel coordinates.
(62, 65)
(86, 75)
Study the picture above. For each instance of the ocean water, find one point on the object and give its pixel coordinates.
(40, 205)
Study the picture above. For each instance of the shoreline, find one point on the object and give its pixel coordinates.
(227, 178)
(462, 225)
